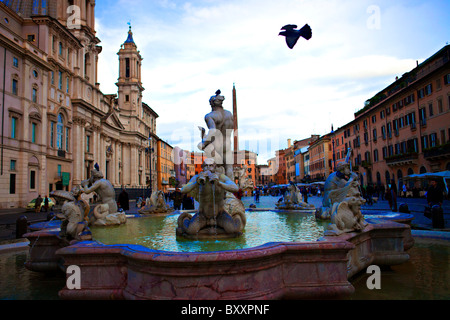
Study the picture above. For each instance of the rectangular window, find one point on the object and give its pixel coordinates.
(67, 139)
(390, 151)
(15, 87)
(34, 95)
(59, 170)
(15, 62)
(433, 140)
(52, 134)
(53, 77)
(421, 93)
(12, 183)
(447, 79)
(12, 165)
(14, 128)
(31, 37)
(32, 180)
(127, 67)
(67, 85)
(60, 86)
(33, 133)
(88, 144)
(424, 142)
(428, 89)
(430, 109)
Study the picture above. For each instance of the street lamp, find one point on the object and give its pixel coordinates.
(149, 151)
(334, 155)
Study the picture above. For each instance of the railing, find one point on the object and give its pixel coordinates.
(439, 151)
(402, 157)
(366, 164)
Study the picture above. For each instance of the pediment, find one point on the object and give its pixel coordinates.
(113, 121)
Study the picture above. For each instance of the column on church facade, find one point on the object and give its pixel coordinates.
(134, 164)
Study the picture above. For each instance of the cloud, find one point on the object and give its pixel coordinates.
(192, 48)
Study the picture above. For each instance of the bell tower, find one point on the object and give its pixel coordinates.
(129, 83)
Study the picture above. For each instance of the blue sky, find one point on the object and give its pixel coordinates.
(193, 48)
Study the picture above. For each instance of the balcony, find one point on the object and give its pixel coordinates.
(366, 164)
(402, 159)
(61, 153)
(437, 153)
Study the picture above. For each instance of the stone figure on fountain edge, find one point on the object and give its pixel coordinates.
(342, 177)
(106, 213)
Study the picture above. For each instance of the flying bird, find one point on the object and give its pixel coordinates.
(293, 35)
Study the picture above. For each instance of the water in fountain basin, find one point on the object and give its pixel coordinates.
(158, 232)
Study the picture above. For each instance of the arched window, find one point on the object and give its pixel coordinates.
(388, 177)
(378, 179)
(423, 170)
(60, 132)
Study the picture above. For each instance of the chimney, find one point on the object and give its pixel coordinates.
(289, 143)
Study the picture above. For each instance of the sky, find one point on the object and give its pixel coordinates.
(193, 48)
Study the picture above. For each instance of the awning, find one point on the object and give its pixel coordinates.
(444, 175)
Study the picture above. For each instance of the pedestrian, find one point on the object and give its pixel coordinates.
(435, 195)
(188, 202)
(369, 194)
(124, 200)
(405, 189)
(393, 196)
(177, 199)
(305, 194)
(37, 205)
(46, 203)
(238, 194)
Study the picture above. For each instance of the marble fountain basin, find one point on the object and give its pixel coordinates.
(314, 266)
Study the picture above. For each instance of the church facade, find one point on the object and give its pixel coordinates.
(56, 123)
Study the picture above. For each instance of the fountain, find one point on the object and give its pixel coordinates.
(221, 214)
(287, 268)
(156, 204)
(293, 200)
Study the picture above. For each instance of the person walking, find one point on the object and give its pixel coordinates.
(37, 205)
(46, 203)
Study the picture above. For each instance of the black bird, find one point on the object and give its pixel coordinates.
(293, 35)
